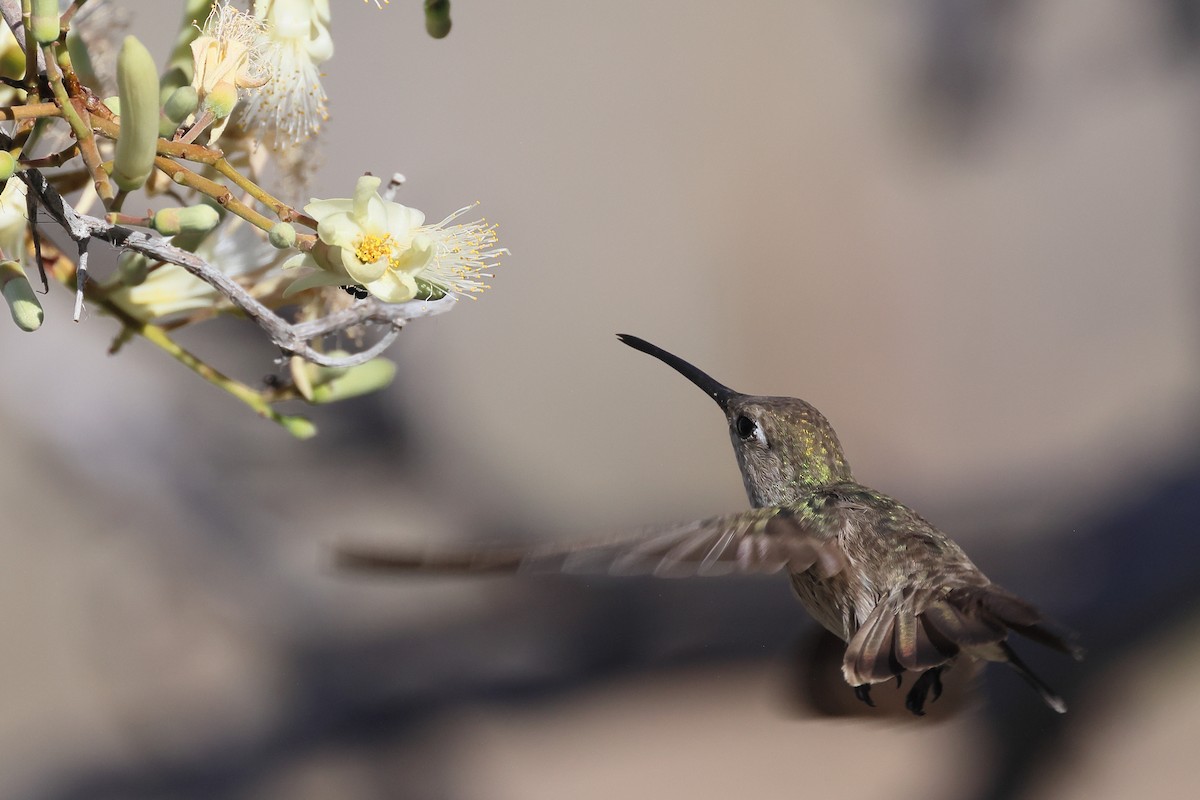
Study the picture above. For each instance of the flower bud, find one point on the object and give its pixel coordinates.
(137, 87)
(177, 106)
(437, 18)
(12, 59)
(81, 59)
(362, 379)
(282, 235)
(132, 268)
(300, 427)
(221, 100)
(183, 101)
(43, 21)
(193, 219)
(22, 302)
(8, 165)
(427, 291)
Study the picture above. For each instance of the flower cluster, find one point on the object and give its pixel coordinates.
(217, 239)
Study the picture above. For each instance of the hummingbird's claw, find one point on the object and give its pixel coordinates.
(863, 692)
(929, 682)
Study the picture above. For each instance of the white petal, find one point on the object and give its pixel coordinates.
(360, 272)
(339, 230)
(313, 279)
(393, 287)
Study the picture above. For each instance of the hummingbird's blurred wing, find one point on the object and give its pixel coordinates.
(761, 540)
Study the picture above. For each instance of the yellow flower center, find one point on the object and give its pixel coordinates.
(373, 247)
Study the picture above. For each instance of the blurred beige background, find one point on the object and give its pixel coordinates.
(965, 231)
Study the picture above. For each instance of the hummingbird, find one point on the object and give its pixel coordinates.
(900, 593)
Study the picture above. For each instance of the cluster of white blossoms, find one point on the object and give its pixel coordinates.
(240, 102)
(272, 59)
(267, 63)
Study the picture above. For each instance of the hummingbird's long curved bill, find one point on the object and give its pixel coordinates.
(717, 391)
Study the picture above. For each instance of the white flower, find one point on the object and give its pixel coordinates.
(387, 249)
(229, 53)
(293, 105)
(460, 254)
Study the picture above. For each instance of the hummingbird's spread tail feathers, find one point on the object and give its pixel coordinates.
(1049, 696)
(894, 639)
(924, 630)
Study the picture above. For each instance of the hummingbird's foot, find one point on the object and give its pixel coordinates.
(929, 682)
(863, 692)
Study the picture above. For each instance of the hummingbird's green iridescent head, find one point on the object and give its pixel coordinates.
(784, 446)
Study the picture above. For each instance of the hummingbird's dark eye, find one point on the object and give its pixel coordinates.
(745, 426)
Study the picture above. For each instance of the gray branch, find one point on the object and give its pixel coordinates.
(292, 339)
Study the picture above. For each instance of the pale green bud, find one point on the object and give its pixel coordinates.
(183, 101)
(12, 61)
(22, 302)
(137, 87)
(221, 100)
(282, 235)
(81, 59)
(43, 21)
(362, 379)
(427, 291)
(437, 18)
(193, 219)
(300, 427)
(132, 268)
(8, 165)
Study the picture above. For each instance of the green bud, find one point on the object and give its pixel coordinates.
(22, 302)
(43, 21)
(193, 219)
(362, 379)
(132, 268)
(12, 62)
(81, 59)
(437, 18)
(282, 235)
(427, 291)
(137, 87)
(300, 427)
(183, 101)
(221, 101)
(8, 165)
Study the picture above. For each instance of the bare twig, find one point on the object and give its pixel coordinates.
(81, 276)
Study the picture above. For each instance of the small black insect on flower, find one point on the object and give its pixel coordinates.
(356, 291)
